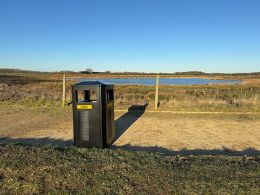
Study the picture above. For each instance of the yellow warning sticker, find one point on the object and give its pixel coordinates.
(84, 107)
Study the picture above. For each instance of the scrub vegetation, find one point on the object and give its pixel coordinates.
(193, 98)
(47, 88)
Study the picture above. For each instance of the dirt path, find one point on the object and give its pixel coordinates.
(193, 132)
(150, 131)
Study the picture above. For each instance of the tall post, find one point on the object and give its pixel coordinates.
(156, 92)
(63, 91)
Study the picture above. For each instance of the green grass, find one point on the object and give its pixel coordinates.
(45, 169)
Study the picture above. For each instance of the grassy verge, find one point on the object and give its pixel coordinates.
(42, 169)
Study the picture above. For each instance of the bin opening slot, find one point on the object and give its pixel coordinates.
(86, 95)
(110, 95)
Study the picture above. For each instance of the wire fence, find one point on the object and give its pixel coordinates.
(141, 93)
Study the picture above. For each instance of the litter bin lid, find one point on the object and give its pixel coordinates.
(92, 83)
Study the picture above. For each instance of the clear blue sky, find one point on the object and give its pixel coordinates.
(131, 35)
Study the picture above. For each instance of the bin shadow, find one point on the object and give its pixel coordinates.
(37, 141)
(126, 120)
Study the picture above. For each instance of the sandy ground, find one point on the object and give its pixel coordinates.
(186, 132)
(163, 132)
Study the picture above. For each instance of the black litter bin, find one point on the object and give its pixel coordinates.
(93, 114)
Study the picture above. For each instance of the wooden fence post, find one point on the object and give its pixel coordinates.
(63, 91)
(156, 92)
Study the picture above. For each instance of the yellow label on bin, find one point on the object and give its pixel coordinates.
(84, 107)
(110, 105)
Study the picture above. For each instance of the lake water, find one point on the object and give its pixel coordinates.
(164, 81)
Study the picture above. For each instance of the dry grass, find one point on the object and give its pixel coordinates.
(47, 88)
(204, 98)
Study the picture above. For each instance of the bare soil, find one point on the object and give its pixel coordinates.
(161, 132)
(193, 133)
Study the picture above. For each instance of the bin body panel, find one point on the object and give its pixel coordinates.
(108, 115)
(88, 131)
(93, 120)
(83, 125)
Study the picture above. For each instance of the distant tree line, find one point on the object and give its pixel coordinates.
(187, 73)
(91, 71)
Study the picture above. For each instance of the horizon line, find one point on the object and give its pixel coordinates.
(129, 72)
